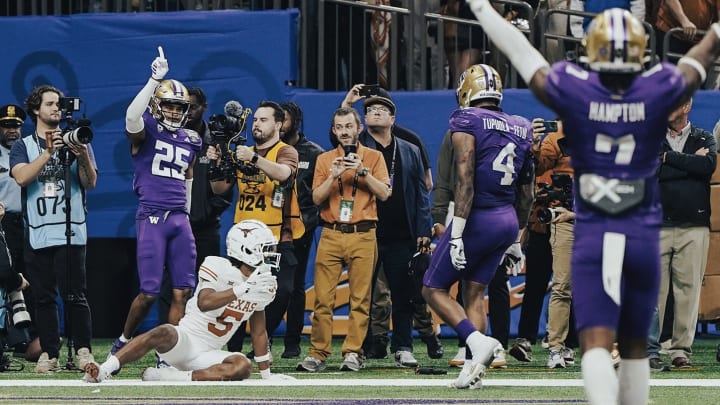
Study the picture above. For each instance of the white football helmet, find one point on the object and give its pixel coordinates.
(170, 92)
(253, 243)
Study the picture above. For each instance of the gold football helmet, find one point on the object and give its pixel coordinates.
(615, 42)
(170, 92)
(478, 82)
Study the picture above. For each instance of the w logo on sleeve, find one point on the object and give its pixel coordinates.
(154, 220)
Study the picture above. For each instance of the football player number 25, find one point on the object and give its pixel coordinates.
(503, 163)
(167, 155)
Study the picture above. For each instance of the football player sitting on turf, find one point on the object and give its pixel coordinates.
(230, 290)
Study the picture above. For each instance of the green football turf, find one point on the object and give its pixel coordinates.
(542, 385)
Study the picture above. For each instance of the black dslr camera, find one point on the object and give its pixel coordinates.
(559, 190)
(226, 130)
(75, 132)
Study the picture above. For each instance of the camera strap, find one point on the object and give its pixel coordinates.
(354, 188)
(609, 195)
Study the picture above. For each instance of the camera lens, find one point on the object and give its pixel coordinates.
(547, 215)
(78, 136)
(20, 315)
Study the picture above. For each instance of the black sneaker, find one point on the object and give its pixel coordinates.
(521, 350)
(291, 352)
(657, 365)
(378, 349)
(434, 346)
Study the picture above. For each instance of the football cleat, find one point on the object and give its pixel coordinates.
(470, 377)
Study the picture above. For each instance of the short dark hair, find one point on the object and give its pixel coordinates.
(198, 93)
(279, 113)
(34, 99)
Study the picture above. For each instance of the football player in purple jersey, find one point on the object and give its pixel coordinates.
(615, 116)
(493, 162)
(163, 153)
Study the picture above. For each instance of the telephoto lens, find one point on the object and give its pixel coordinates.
(20, 314)
(78, 136)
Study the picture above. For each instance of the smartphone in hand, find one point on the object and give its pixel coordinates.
(550, 126)
(369, 90)
(349, 149)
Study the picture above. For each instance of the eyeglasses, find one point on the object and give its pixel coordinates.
(376, 109)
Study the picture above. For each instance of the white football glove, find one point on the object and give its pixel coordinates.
(159, 66)
(259, 287)
(457, 254)
(514, 259)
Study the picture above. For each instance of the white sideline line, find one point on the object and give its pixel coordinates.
(388, 382)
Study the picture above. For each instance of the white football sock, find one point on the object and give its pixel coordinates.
(481, 346)
(599, 378)
(123, 339)
(634, 377)
(111, 365)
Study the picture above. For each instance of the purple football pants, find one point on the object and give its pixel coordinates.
(488, 233)
(165, 240)
(640, 275)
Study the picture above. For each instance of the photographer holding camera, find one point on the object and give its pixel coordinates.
(553, 161)
(36, 165)
(265, 178)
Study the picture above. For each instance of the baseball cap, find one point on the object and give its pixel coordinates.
(383, 97)
(12, 115)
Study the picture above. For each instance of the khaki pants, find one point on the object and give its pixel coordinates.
(561, 240)
(684, 257)
(359, 252)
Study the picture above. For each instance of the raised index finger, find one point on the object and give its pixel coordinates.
(160, 51)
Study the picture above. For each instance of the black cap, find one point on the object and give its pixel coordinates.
(383, 97)
(12, 114)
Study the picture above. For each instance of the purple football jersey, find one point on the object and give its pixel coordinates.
(502, 153)
(615, 136)
(161, 163)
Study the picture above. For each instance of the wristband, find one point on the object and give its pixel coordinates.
(695, 65)
(264, 357)
(458, 226)
(265, 374)
(254, 158)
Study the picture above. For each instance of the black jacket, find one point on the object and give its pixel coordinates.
(685, 180)
(308, 152)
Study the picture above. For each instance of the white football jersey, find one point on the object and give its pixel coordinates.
(217, 326)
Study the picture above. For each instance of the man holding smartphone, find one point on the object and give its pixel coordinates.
(348, 182)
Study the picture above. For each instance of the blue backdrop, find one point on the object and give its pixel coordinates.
(247, 56)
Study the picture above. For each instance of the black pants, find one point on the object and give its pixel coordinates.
(275, 311)
(499, 306)
(47, 271)
(296, 305)
(538, 269)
